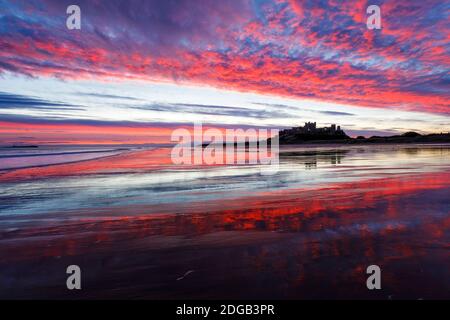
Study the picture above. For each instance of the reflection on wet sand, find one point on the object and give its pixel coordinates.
(312, 158)
(299, 242)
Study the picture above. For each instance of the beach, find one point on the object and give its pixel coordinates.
(140, 227)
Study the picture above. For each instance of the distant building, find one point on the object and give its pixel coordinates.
(310, 132)
(311, 128)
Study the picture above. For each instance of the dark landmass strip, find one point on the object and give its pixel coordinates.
(311, 139)
(245, 144)
(429, 138)
(310, 134)
(409, 137)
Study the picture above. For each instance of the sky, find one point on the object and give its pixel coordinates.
(137, 70)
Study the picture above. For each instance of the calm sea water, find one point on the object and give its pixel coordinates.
(140, 227)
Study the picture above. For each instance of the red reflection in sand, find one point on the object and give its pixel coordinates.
(126, 162)
(310, 242)
(339, 206)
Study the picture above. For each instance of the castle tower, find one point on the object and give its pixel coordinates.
(333, 128)
(310, 127)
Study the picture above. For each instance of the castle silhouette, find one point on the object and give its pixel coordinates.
(310, 131)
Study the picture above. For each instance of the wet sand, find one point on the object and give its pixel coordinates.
(141, 228)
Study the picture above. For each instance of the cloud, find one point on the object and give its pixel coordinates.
(14, 101)
(107, 96)
(312, 109)
(213, 110)
(369, 133)
(24, 120)
(300, 49)
(337, 113)
(49, 130)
